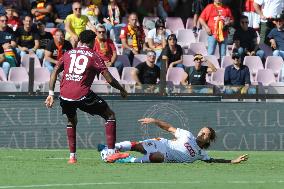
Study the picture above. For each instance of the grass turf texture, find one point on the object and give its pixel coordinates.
(49, 169)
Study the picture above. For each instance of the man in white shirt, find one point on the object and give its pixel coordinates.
(185, 148)
(267, 9)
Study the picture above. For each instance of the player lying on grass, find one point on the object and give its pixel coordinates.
(185, 148)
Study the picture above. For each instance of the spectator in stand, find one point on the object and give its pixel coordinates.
(196, 75)
(7, 45)
(197, 7)
(76, 23)
(62, 10)
(276, 36)
(112, 20)
(28, 39)
(146, 8)
(267, 10)
(146, 72)
(132, 37)
(55, 50)
(42, 10)
(93, 12)
(253, 17)
(245, 40)
(3, 63)
(44, 37)
(172, 53)
(2, 8)
(237, 77)
(157, 37)
(216, 19)
(13, 20)
(106, 49)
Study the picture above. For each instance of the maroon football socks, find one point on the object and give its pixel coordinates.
(110, 128)
(71, 135)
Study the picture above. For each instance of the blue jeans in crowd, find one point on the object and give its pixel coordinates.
(278, 53)
(39, 53)
(212, 44)
(6, 67)
(259, 53)
(49, 66)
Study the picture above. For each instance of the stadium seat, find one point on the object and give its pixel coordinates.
(202, 37)
(199, 48)
(3, 76)
(139, 58)
(174, 24)
(18, 75)
(226, 61)
(100, 87)
(218, 77)
(213, 59)
(46, 87)
(265, 77)
(25, 61)
(188, 60)
(175, 75)
(147, 19)
(8, 86)
(276, 88)
(185, 37)
(124, 59)
(126, 75)
(113, 71)
(189, 23)
(254, 64)
(274, 63)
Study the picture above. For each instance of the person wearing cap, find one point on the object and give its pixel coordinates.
(245, 40)
(276, 36)
(237, 77)
(146, 72)
(196, 75)
(157, 37)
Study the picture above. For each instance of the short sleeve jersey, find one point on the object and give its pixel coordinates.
(80, 67)
(148, 75)
(77, 24)
(27, 38)
(184, 148)
(126, 34)
(51, 47)
(210, 15)
(7, 36)
(157, 39)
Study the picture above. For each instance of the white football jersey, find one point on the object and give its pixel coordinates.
(184, 148)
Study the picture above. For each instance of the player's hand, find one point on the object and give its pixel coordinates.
(146, 120)
(123, 93)
(49, 101)
(240, 159)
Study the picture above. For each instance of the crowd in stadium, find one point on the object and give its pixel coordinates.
(194, 42)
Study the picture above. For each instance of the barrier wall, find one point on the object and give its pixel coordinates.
(26, 123)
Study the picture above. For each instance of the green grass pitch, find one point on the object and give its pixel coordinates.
(48, 169)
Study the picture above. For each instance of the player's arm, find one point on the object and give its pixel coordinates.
(162, 124)
(114, 83)
(234, 161)
(57, 69)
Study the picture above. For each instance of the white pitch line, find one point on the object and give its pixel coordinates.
(128, 183)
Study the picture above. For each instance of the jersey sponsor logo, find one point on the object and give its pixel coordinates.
(189, 149)
(77, 67)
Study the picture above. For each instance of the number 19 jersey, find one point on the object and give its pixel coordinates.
(80, 68)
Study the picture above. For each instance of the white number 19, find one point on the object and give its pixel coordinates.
(75, 66)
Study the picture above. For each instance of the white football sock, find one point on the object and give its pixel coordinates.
(72, 155)
(123, 146)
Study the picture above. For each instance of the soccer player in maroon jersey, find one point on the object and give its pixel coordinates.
(79, 66)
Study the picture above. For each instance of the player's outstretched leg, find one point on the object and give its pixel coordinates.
(71, 135)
